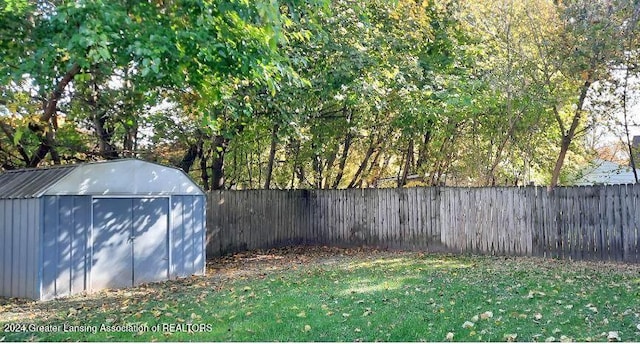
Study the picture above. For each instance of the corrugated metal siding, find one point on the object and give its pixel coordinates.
(187, 235)
(19, 235)
(6, 223)
(30, 183)
(65, 259)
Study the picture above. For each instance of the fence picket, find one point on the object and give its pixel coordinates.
(626, 221)
(635, 230)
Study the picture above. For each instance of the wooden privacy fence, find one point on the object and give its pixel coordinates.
(595, 222)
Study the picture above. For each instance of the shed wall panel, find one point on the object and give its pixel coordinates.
(50, 246)
(187, 235)
(34, 239)
(31, 212)
(80, 250)
(188, 212)
(65, 245)
(5, 244)
(16, 246)
(22, 224)
(200, 232)
(18, 235)
(66, 227)
(151, 247)
(177, 237)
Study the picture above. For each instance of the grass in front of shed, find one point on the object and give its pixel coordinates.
(362, 297)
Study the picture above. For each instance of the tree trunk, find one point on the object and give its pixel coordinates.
(47, 137)
(10, 132)
(272, 156)
(298, 169)
(490, 178)
(220, 145)
(46, 146)
(363, 164)
(105, 148)
(190, 156)
(343, 160)
(423, 153)
(407, 165)
(632, 152)
(317, 168)
(625, 91)
(204, 175)
(567, 137)
(328, 166)
(130, 140)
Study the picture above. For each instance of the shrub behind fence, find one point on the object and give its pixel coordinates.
(587, 223)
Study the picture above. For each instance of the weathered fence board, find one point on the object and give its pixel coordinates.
(587, 223)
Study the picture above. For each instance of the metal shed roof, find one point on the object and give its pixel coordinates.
(29, 183)
(115, 177)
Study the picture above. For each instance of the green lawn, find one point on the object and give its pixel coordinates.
(337, 295)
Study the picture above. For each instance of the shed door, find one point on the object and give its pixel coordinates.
(129, 241)
(150, 245)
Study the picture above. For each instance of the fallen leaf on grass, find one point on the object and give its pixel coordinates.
(307, 328)
(301, 315)
(534, 293)
(449, 336)
(613, 336)
(468, 324)
(537, 316)
(486, 315)
(511, 337)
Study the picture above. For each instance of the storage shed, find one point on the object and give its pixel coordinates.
(75, 228)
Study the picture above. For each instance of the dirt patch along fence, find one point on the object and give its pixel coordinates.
(583, 223)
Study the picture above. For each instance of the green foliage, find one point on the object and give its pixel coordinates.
(127, 51)
(320, 94)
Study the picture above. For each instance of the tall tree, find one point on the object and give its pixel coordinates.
(66, 48)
